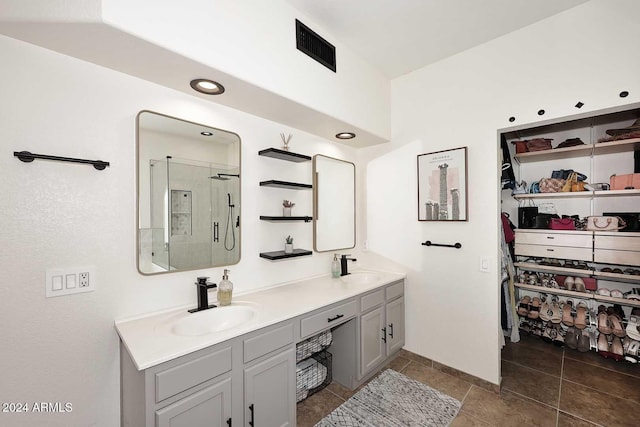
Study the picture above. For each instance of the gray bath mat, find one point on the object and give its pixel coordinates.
(391, 400)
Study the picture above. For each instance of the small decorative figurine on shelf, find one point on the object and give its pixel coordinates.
(288, 246)
(286, 207)
(286, 140)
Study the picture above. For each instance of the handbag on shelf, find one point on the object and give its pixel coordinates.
(562, 224)
(521, 146)
(526, 215)
(539, 144)
(625, 182)
(605, 223)
(541, 221)
(632, 219)
(551, 185)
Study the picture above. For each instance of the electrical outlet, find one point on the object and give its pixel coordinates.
(75, 280)
(84, 279)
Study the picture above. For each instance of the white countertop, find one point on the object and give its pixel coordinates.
(149, 339)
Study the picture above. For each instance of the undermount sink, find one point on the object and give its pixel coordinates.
(361, 277)
(213, 320)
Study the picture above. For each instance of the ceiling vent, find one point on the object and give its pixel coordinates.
(316, 47)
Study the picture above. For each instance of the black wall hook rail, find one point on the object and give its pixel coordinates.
(428, 243)
(28, 157)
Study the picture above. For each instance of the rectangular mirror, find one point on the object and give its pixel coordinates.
(188, 195)
(334, 217)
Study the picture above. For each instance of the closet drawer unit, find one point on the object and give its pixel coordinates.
(617, 241)
(328, 318)
(182, 377)
(609, 256)
(562, 252)
(576, 239)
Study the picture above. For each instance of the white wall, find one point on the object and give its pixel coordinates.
(580, 55)
(59, 215)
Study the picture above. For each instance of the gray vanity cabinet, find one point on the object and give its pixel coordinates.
(381, 326)
(270, 391)
(210, 407)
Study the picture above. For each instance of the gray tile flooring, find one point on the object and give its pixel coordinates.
(542, 385)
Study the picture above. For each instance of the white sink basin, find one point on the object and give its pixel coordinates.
(361, 278)
(213, 320)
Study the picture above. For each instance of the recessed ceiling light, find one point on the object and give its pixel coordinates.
(345, 135)
(206, 86)
(206, 133)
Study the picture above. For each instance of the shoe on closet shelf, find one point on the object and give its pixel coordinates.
(603, 292)
(604, 324)
(633, 327)
(549, 333)
(616, 293)
(584, 341)
(569, 283)
(523, 306)
(559, 337)
(534, 308)
(603, 345)
(631, 348)
(579, 284)
(555, 312)
(545, 310)
(581, 315)
(571, 339)
(616, 350)
(616, 325)
(567, 318)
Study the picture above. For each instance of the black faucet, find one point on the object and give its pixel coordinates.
(343, 264)
(203, 296)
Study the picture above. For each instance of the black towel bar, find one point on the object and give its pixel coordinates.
(28, 157)
(428, 243)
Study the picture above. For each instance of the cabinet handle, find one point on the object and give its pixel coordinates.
(384, 334)
(549, 250)
(550, 237)
(391, 330)
(251, 410)
(229, 422)
(338, 316)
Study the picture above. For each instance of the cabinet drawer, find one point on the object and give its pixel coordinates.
(266, 342)
(620, 242)
(182, 377)
(327, 318)
(371, 300)
(395, 290)
(562, 252)
(576, 239)
(610, 256)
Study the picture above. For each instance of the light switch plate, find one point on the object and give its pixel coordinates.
(485, 265)
(70, 280)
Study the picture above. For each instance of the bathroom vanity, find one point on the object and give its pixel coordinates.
(180, 370)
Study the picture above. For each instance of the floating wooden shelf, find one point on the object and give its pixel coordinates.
(281, 255)
(285, 184)
(285, 218)
(284, 155)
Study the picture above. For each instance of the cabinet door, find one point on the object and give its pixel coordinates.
(372, 346)
(395, 325)
(210, 407)
(269, 392)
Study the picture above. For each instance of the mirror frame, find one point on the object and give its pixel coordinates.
(137, 192)
(315, 204)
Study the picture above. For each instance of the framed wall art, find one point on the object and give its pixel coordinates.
(442, 185)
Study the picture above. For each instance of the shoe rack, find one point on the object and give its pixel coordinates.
(605, 261)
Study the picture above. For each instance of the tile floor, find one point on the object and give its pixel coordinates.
(542, 385)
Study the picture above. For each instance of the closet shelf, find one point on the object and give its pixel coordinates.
(284, 155)
(578, 194)
(610, 147)
(582, 295)
(552, 269)
(285, 184)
